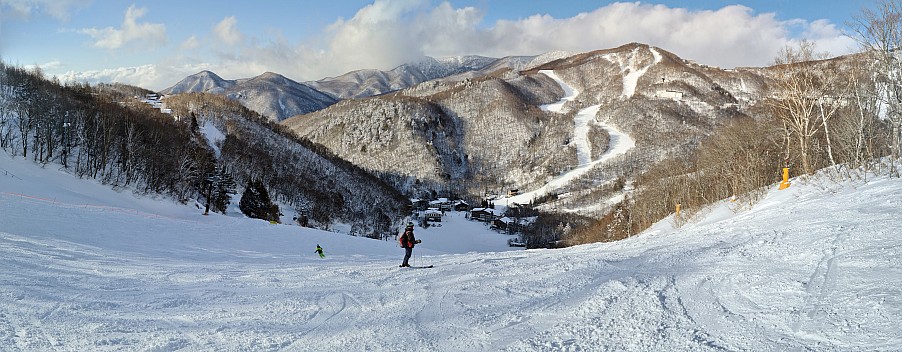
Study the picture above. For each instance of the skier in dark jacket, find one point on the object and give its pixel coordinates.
(407, 242)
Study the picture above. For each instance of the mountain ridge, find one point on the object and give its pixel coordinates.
(269, 94)
(488, 132)
(202, 82)
(262, 93)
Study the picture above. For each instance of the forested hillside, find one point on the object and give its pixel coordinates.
(100, 132)
(489, 133)
(809, 113)
(108, 133)
(696, 134)
(701, 133)
(297, 172)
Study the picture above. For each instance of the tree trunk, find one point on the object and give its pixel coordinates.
(824, 118)
(803, 150)
(207, 206)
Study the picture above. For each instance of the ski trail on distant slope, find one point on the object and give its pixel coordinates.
(581, 134)
(619, 143)
(581, 120)
(631, 79)
(570, 93)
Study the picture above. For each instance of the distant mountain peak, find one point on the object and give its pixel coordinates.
(269, 75)
(203, 81)
(278, 97)
(206, 73)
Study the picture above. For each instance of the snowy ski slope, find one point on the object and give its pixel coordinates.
(85, 268)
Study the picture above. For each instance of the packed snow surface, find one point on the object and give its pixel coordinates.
(213, 136)
(581, 134)
(570, 93)
(86, 268)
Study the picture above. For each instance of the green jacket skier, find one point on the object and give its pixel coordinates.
(320, 251)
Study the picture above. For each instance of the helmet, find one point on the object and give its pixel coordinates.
(409, 224)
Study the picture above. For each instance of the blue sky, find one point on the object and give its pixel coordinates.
(154, 44)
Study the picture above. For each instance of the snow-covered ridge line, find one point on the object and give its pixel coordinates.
(632, 72)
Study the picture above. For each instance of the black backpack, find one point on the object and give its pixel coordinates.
(405, 237)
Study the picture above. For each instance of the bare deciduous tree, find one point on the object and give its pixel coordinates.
(858, 127)
(808, 95)
(879, 31)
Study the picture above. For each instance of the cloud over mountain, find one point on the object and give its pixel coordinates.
(388, 33)
(731, 36)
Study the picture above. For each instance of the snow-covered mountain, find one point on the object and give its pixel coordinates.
(89, 268)
(365, 83)
(201, 149)
(491, 132)
(201, 82)
(278, 97)
(269, 94)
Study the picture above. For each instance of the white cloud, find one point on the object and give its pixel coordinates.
(388, 33)
(227, 32)
(151, 76)
(142, 76)
(381, 35)
(47, 66)
(24, 9)
(375, 37)
(730, 36)
(191, 43)
(829, 38)
(150, 34)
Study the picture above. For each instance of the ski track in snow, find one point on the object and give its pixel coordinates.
(619, 143)
(813, 267)
(744, 289)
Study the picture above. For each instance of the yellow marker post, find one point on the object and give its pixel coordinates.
(785, 183)
(678, 209)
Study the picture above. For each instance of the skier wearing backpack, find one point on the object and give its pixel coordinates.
(407, 241)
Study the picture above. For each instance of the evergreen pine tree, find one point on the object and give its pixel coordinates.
(255, 202)
(195, 128)
(219, 187)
